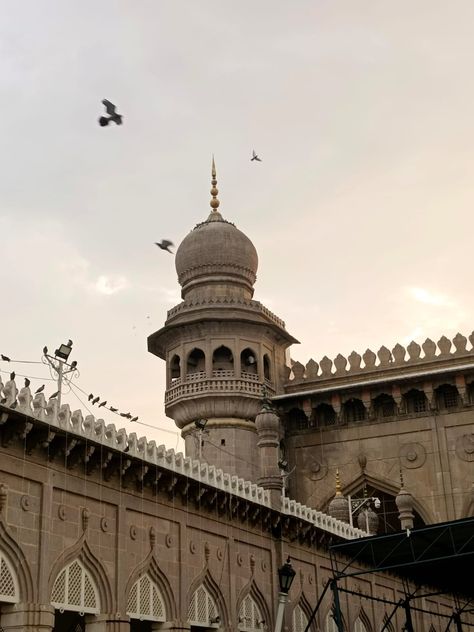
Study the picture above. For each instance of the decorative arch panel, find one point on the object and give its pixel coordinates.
(250, 616)
(145, 601)
(202, 610)
(300, 620)
(75, 590)
(9, 585)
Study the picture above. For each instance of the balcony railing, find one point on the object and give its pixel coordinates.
(222, 381)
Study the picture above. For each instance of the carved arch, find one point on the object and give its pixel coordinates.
(254, 591)
(362, 622)
(205, 579)
(82, 552)
(150, 566)
(307, 610)
(17, 558)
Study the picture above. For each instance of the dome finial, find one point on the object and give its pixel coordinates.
(338, 483)
(214, 190)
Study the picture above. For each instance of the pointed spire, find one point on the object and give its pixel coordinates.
(215, 215)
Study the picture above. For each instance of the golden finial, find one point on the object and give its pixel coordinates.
(338, 484)
(214, 191)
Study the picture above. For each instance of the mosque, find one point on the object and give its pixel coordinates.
(104, 531)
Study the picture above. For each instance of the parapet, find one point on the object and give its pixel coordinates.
(92, 429)
(443, 352)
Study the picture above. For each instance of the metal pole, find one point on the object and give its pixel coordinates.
(282, 599)
(351, 522)
(408, 622)
(337, 606)
(316, 608)
(60, 381)
(457, 621)
(200, 444)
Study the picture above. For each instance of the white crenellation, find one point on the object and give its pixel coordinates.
(399, 356)
(93, 429)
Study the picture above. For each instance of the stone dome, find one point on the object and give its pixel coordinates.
(216, 253)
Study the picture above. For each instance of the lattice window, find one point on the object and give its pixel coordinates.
(9, 590)
(145, 601)
(250, 616)
(202, 609)
(359, 625)
(300, 620)
(74, 589)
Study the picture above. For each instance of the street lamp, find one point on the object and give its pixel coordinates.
(59, 364)
(286, 574)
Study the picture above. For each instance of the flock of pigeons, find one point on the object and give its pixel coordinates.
(115, 117)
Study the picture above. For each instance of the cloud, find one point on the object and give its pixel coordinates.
(110, 285)
(423, 295)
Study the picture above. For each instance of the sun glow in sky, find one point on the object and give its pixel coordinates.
(361, 209)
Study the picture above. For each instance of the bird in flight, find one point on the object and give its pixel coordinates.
(111, 110)
(4, 357)
(165, 244)
(255, 157)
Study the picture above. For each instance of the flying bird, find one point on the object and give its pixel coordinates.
(111, 110)
(54, 395)
(164, 244)
(102, 404)
(39, 390)
(27, 382)
(113, 410)
(255, 157)
(4, 357)
(90, 397)
(95, 400)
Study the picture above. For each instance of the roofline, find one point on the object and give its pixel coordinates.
(377, 380)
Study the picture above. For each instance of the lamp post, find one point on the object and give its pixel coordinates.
(58, 362)
(286, 574)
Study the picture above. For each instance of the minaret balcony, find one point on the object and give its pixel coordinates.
(222, 381)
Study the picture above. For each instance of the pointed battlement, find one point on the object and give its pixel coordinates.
(429, 355)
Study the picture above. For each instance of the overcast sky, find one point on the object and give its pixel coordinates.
(361, 210)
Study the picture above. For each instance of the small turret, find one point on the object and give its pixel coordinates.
(404, 501)
(339, 505)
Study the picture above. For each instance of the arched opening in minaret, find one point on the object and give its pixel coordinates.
(222, 359)
(267, 368)
(196, 362)
(175, 367)
(248, 362)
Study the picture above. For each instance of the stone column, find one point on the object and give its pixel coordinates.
(27, 617)
(270, 433)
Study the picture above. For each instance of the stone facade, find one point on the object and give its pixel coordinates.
(107, 532)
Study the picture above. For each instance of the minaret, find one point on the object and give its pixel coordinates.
(221, 347)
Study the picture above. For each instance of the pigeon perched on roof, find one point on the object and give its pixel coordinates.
(255, 157)
(164, 244)
(134, 419)
(113, 410)
(95, 400)
(4, 357)
(90, 397)
(111, 110)
(54, 395)
(39, 390)
(12, 375)
(102, 404)
(27, 382)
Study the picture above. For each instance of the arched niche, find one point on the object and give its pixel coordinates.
(202, 609)
(196, 361)
(267, 367)
(415, 401)
(248, 361)
(9, 582)
(447, 396)
(222, 359)
(251, 618)
(175, 367)
(353, 410)
(384, 406)
(324, 415)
